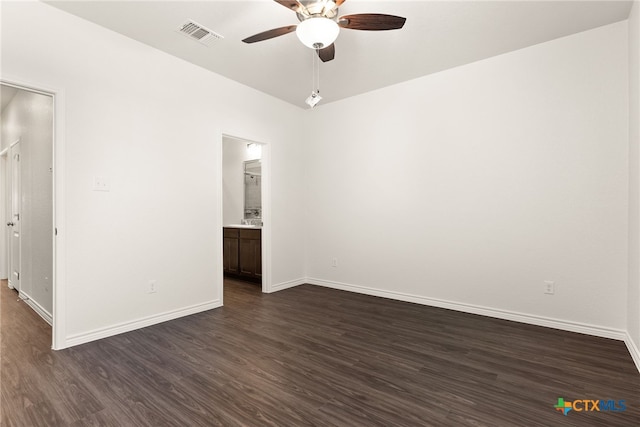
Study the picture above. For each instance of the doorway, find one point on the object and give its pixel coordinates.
(13, 216)
(244, 219)
(27, 249)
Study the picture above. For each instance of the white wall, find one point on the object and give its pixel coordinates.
(3, 221)
(150, 124)
(474, 185)
(234, 154)
(633, 299)
(29, 117)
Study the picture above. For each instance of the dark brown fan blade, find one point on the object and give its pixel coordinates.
(290, 4)
(269, 34)
(371, 22)
(328, 53)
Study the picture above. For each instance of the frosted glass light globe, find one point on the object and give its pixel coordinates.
(318, 32)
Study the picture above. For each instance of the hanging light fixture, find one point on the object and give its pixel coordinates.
(317, 32)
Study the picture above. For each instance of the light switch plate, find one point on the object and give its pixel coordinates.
(549, 287)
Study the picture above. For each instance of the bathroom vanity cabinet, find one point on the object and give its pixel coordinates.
(243, 252)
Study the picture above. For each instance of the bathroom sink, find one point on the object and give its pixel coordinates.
(242, 226)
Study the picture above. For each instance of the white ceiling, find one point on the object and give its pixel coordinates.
(437, 35)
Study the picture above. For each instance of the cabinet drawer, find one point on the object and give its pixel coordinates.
(231, 232)
(250, 234)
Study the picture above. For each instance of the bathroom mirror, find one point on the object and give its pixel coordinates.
(252, 189)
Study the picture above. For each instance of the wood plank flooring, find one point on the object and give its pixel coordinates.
(311, 356)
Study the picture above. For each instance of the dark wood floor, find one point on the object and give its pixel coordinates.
(311, 356)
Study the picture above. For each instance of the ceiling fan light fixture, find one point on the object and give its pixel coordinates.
(318, 32)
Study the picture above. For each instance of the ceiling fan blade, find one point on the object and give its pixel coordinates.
(371, 22)
(328, 53)
(269, 34)
(291, 4)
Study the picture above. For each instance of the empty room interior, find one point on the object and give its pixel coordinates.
(320, 212)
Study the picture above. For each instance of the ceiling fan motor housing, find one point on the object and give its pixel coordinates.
(317, 8)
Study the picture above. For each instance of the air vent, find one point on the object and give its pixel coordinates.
(197, 32)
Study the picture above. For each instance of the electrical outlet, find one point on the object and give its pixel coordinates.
(334, 262)
(152, 287)
(101, 183)
(549, 287)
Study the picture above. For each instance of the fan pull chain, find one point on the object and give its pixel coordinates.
(315, 71)
(315, 97)
(317, 57)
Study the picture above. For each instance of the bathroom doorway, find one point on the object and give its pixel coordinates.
(244, 215)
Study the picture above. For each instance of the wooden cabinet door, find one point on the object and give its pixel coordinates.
(231, 261)
(251, 257)
(230, 255)
(251, 253)
(257, 254)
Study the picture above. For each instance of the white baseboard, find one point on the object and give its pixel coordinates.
(548, 322)
(286, 285)
(120, 328)
(633, 350)
(36, 307)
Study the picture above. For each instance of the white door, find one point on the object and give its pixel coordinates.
(14, 219)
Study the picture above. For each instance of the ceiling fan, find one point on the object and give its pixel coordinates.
(320, 25)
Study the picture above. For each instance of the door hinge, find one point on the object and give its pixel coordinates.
(56, 231)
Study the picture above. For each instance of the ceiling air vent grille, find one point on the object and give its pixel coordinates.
(197, 32)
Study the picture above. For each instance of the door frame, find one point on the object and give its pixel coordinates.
(58, 335)
(8, 208)
(266, 211)
(4, 205)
